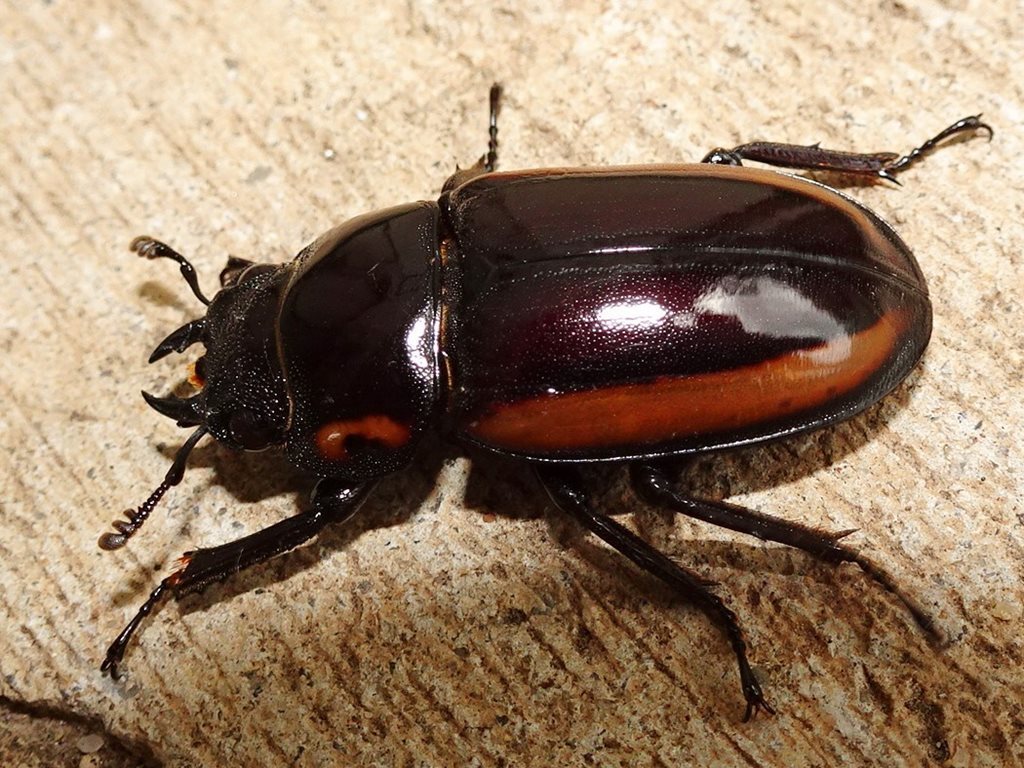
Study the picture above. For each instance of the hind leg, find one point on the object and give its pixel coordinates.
(564, 485)
(652, 484)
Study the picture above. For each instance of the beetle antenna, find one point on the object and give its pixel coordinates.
(492, 145)
(136, 517)
(154, 249)
(970, 124)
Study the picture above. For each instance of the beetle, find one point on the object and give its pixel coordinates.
(562, 317)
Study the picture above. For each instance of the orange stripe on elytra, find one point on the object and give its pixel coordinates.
(672, 407)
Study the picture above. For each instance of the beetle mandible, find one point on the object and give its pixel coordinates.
(563, 317)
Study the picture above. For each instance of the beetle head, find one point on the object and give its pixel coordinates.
(242, 400)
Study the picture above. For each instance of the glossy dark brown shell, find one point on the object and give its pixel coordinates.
(629, 312)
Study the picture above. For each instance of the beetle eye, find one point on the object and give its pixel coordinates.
(249, 431)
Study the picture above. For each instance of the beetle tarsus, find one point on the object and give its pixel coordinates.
(564, 486)
(755, 700)
(969, 124)
(921, 617)
(115, 653)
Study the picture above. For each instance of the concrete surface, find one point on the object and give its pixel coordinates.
(466, 623)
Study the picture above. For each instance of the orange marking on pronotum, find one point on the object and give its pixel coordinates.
(332, 439)
(671, 407)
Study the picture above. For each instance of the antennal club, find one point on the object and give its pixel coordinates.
(136, 517)
(154, 249)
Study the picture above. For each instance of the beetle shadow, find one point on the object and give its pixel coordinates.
(157, 293)
(508, 488)
(844, 181)
(254, 477)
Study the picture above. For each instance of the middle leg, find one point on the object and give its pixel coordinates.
(565, 487)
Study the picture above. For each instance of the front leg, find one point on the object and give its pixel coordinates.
(565, 487)
(332, 501)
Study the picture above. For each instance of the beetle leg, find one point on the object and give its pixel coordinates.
(489, 161)
(653, 485)
(332, 502)
(883, 165)
(564, 486)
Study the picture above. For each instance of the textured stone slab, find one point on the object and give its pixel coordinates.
(467, 623)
